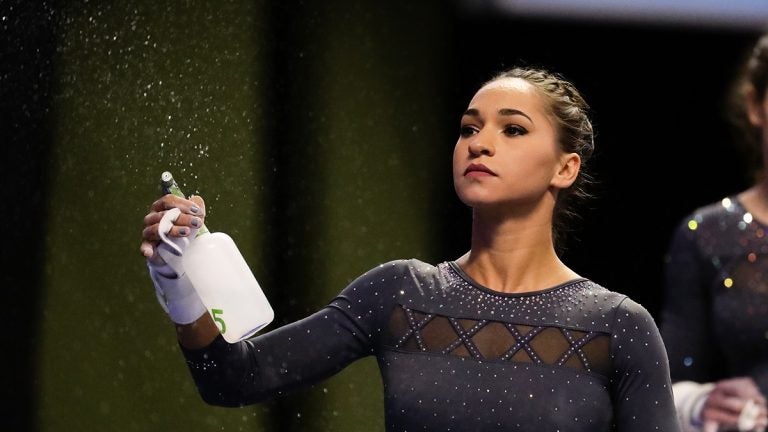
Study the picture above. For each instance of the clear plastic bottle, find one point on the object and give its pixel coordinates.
(223, 280)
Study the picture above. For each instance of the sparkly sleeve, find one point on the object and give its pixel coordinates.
(642, 390)
(298, 354)
(685, 322)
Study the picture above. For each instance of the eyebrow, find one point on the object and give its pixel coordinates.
(504, 111)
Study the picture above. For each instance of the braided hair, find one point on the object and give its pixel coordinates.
(574, 131)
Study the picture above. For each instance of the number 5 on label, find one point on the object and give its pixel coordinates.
(216, 314)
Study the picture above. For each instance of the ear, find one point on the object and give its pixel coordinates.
(755, 112)
(567, 170)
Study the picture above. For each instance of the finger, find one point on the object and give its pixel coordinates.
(147, 249)
(149, 235)
(180, 228)
(762, 422)
(720, 417)
(182, 220)
(153, 218)
(744, 387)
(200, 203)
(726, 418)
(721, 402)
(169, 201)
(182, 225)
(165, 202)
(149, 241)
(709, 426)
(763, 413)
(191, 221)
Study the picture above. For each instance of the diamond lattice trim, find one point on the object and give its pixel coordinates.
(412, 330)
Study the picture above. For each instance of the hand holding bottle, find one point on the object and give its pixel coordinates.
(166, 234)
(191, 218)
(195, 270)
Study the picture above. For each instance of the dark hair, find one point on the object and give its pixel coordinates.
(575, 135)
(752, 76)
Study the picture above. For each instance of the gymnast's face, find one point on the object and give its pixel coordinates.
(757, 111)
(507, 152)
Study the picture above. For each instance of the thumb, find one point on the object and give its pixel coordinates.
(709, 426)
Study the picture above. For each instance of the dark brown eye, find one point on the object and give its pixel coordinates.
(514, 130)
(466, 131)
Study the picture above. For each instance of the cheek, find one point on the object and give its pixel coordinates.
(457, 169)
(457, 150)
(534, 169)
(547, 155)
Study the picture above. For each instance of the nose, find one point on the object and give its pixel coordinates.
(479, 146)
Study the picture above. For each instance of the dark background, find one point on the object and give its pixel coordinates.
(663, 148)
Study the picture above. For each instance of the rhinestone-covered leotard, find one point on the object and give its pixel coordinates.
(456, 356)
(715, 315)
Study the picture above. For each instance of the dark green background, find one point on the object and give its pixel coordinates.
(320, 135)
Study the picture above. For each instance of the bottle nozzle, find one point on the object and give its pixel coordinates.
(166, 177)
(169, 185)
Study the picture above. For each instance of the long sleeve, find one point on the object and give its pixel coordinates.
(643, 399)
(298, 354)
(685, 321)
(455, 355)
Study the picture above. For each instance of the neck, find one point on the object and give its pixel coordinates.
(755, 199)
(514, 253)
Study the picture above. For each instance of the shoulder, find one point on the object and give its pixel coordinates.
(621, 303)
(632, 325)
(706, 226)
(715, 214)
(613, 309)
(631, 311)
(378, 290)
(402, 268)
(601, 297)
(396, 274)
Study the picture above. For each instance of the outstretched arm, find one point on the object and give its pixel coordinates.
(295, 355)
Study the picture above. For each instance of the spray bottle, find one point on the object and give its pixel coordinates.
(222, 279)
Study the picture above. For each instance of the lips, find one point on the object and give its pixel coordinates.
(478, 169)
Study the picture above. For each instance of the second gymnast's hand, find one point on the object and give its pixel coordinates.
(726, 403)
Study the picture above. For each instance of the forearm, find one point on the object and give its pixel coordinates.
(198, 334)
(295, 355)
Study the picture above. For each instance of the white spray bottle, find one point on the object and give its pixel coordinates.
(222, 279)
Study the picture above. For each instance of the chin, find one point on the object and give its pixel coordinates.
(476, 200)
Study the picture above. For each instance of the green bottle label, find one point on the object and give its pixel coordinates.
(216, 314)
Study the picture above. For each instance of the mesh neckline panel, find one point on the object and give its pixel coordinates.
(489, 334)
(416, 331)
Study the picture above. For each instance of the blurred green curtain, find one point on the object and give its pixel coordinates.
(317, 136)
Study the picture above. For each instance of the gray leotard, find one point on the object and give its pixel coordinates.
(456, 356)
